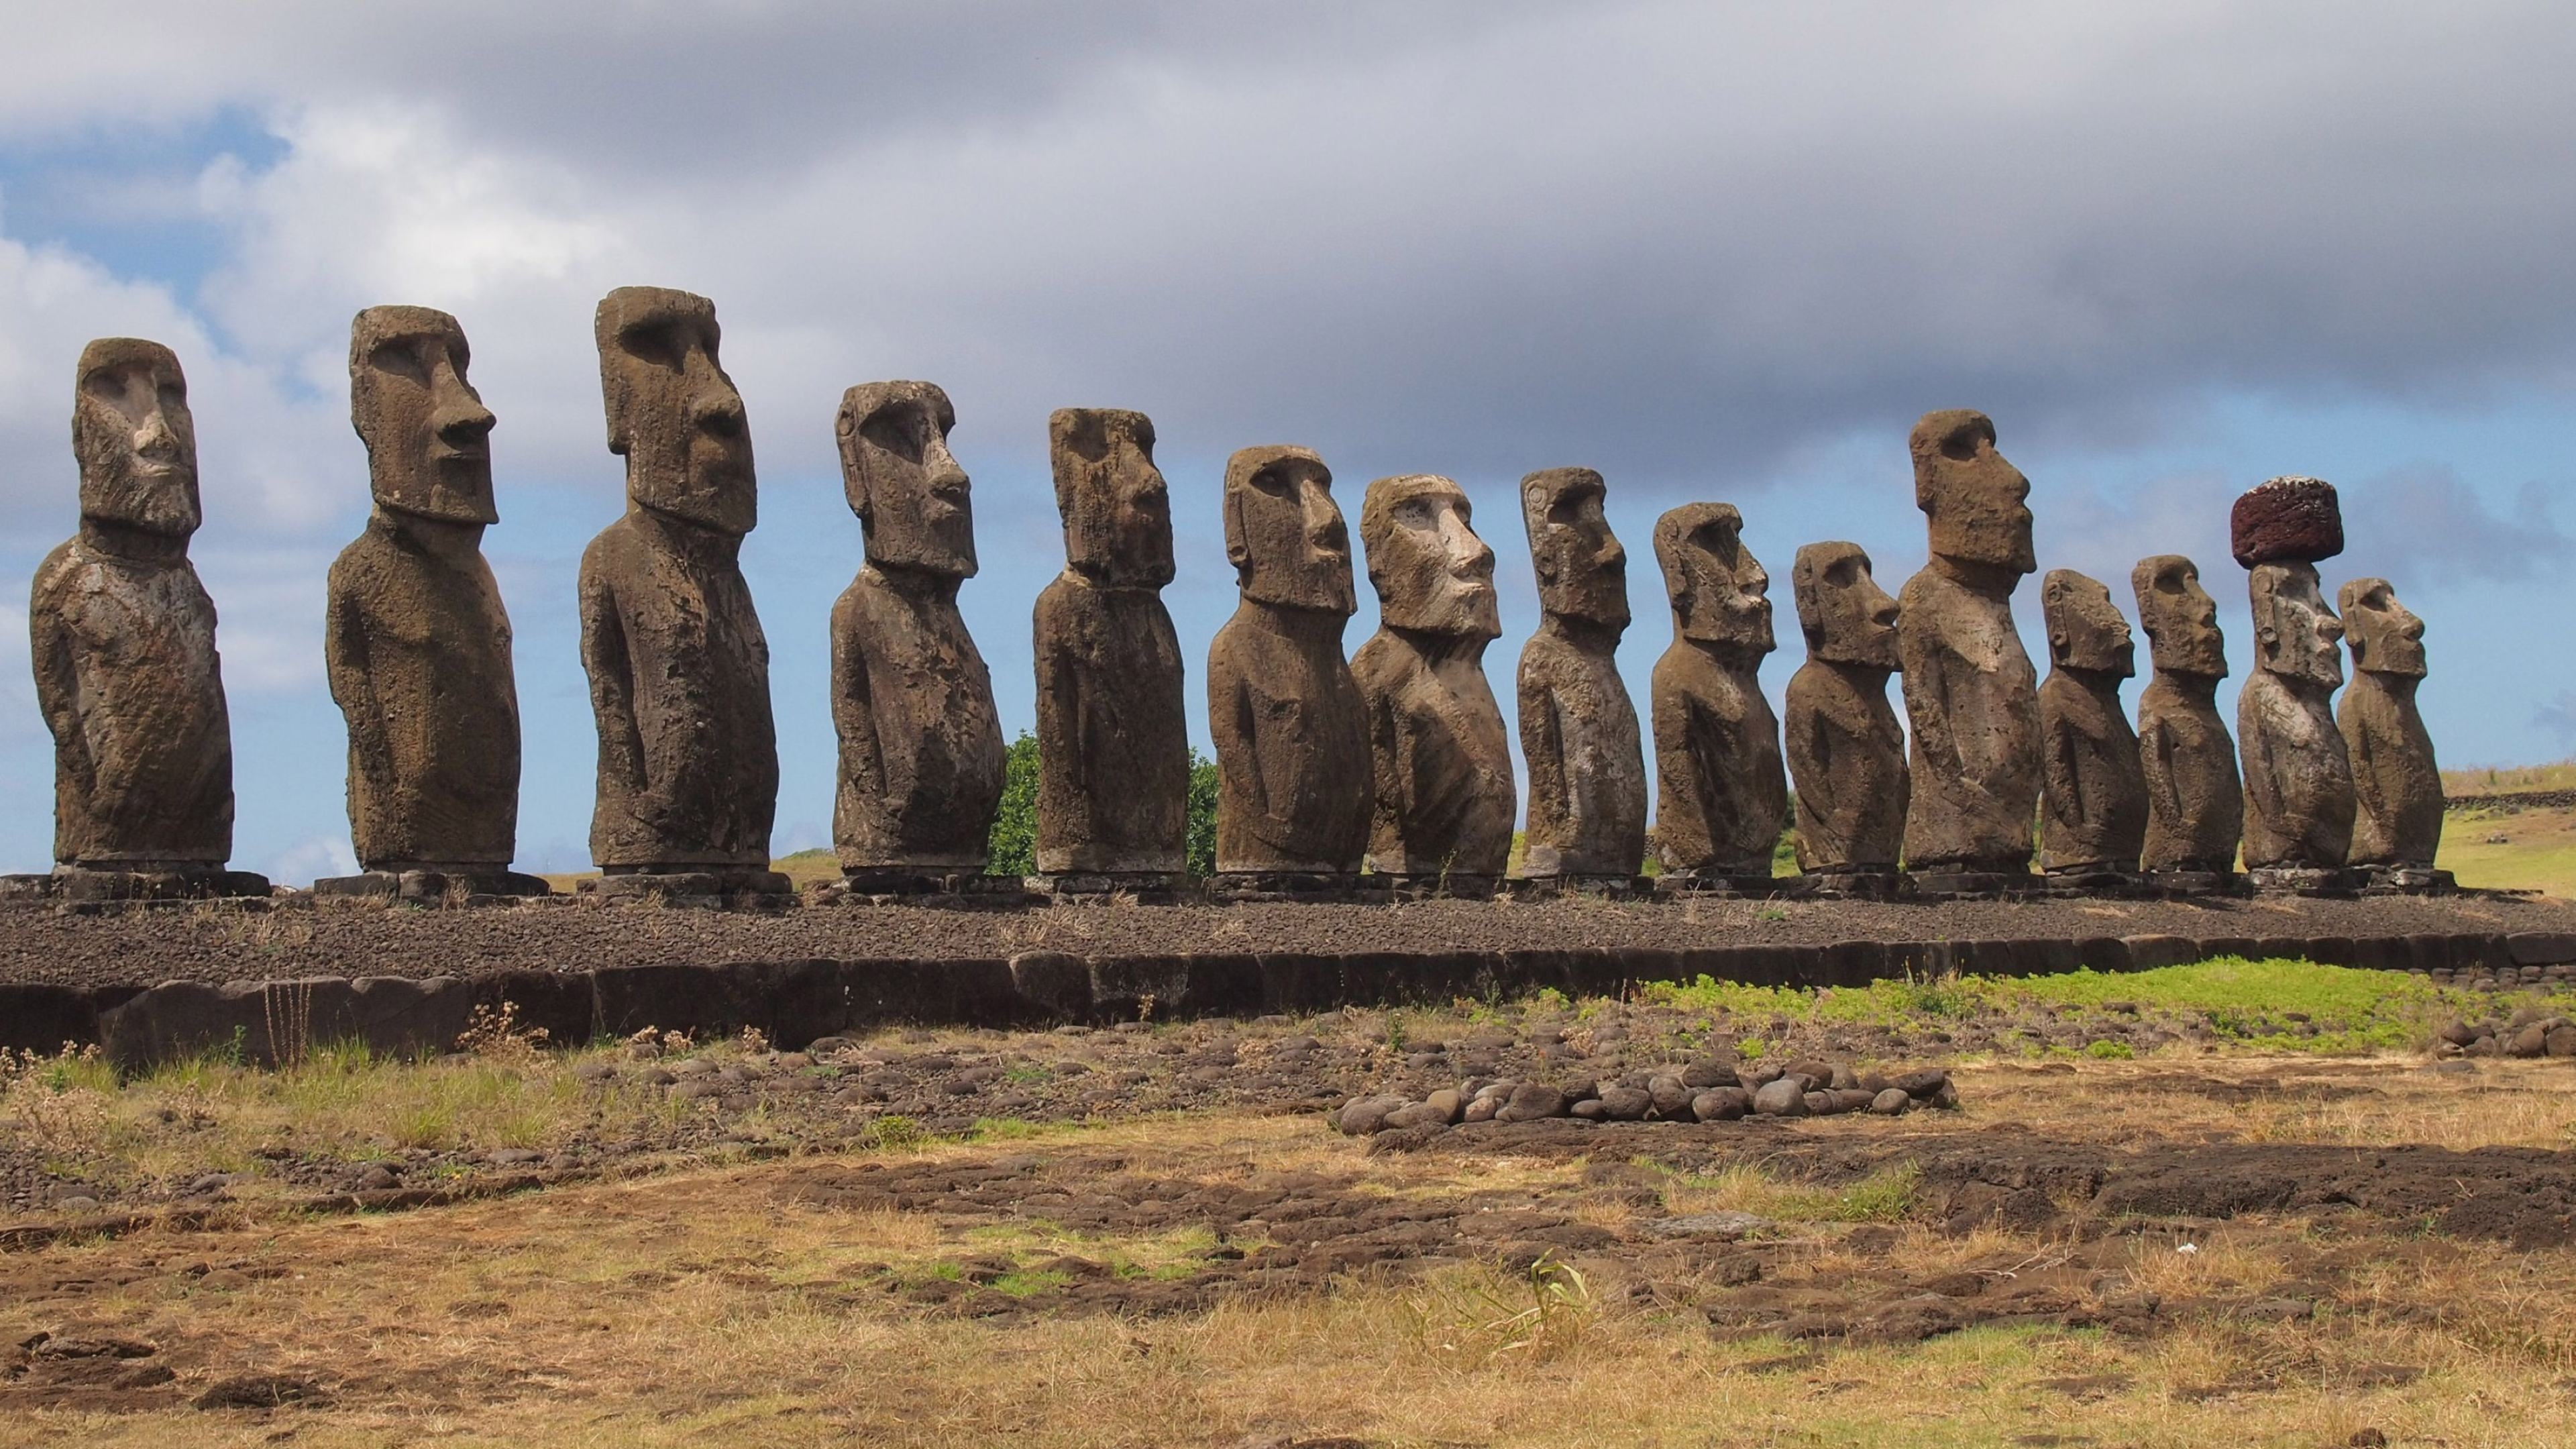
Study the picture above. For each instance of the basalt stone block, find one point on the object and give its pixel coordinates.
(1294, 981)
(790, 1002)
(433, 887)
(1723, 791)
(2148, 953)
(2286, 520)
(2213, 947)
(1844, 748)
(2397, 787)
(1654, 963)
(2282, 948)
(1059, 986)
(1579, 735)
(563, 1004)
(967, 991)
(1222, 983)
(44, 1018)
(2541, 948)
(2382, 953)
(1596, 971)
(710, 887)
(1853, 963)
(2330, 950)
(2104, 953)
(269, 1022)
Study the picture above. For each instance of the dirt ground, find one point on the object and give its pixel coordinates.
(222, 944)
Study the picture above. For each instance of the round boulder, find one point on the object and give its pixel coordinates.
(1786, 1097)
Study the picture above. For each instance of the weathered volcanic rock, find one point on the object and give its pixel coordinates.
(2286, 520)
(1845, 749)
(2299, 799)
(1587, 763)
(2095, 793)
(2195, 804)
(2397, 786)
(1724, 797)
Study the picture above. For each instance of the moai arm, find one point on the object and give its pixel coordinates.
(58, 689)
(1710, 776)
(1241, 766)
(854, 709)
(1576, 783)
(605, 657)
(2155, 757)
(2061, 774)
(1923, 661)
(2261, 777)
(1391, 746)
(345, 662)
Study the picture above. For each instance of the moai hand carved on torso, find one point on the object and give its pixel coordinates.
(1846, 751)
(2195, 805)
(123, 634)
(1971, 694)
(2298, 775)
(922, 758)
(2397, 787)
(1446, 799)
(1113, 749)
(2095, 793)
(1723, 797)
(417, 643)
(679, 669)
(1587, 764)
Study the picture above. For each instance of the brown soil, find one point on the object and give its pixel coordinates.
(212, 944)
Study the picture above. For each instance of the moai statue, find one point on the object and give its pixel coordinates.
(921, 745)
(2094, 817)
(1723, 798)
(414, 635)
(123, 640)
(1971, 694)
(1294, 782)
(2299, 800)
(679, 670)
(1846, 750)
(2195, 807)
(1587, 765)
(1113, 750)
(2396, 785)
(1446, 798)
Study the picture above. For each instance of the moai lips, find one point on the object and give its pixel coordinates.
(1723, 794)
(1845, 749)
(1587, 764)
(2095, 792)
(1445, 794)
(2195, 802)
(2397, 786)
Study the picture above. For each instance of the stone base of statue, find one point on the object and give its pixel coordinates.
(1449, 886)
(1848, 885)
(2189, 884)
(1556, 887)
(1747, 885)
(1156, 887)
(2093, 881)
(2407, 880)
(1229, 887)
(1948, 884)
(82, 887)
(894, 885)
(715, 888)
(457, 886)
(2294, 880)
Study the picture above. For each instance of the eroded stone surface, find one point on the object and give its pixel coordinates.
(123, 635)
(1587, 763)
(922, 758)
(1846, 750)
(1113, 750)
(1446, 800)
(2094, 791)
(415, 636)
(2298, 775)
(2195, 804)
(1971, 694)
(679, 668)
(2286, 520)
(2397, 787)
(1723, 796)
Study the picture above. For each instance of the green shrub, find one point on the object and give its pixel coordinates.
(1014, 843)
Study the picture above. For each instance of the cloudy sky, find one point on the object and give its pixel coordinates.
(1715, 251)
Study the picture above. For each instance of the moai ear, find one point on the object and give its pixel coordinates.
(854, 477)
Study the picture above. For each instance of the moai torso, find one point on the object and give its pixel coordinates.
(1845, 748)
(1587, 763)
(2195, 805)
(2397, 786)
(2094, 815)
(1723, 797)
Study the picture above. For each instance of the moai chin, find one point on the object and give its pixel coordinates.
(1846, 750)
(1587, 764)
(414, 634)
(1723, 793)
(1446, 799)
(2299, 800)
(1294, 782)
(679, 669)
(1970, 691)
(1113, 749)
(922, 758)
(2396, 785)
(122, 635)
(2094, 791)
(2195, 804)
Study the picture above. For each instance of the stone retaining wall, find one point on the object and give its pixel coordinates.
(2516, 800)
(793, 1002)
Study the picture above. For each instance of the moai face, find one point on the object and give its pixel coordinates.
(1974, 498)
(1582, 570)
(2180, 617)
(427, 432)
(1283, 532)
(903, 483)
(1720, 592)
(1846, 616)
(134, 439)
(2386, 637)
(1432, 573)
(2085, 629)
(672, 412)
(1117, 513)
(2295, 635)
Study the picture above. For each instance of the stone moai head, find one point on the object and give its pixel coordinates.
(1283, 532)
(2295, 635)
(903, 483)
(1975, 500)
(427, 432)
(1117, 512)
(672, 413)
(2385, 635)
(1720, 592)
(1582, 570)
(133, 438)
(1846, 616)
(2085, 629)
(1431, 572)
(2180, 617)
